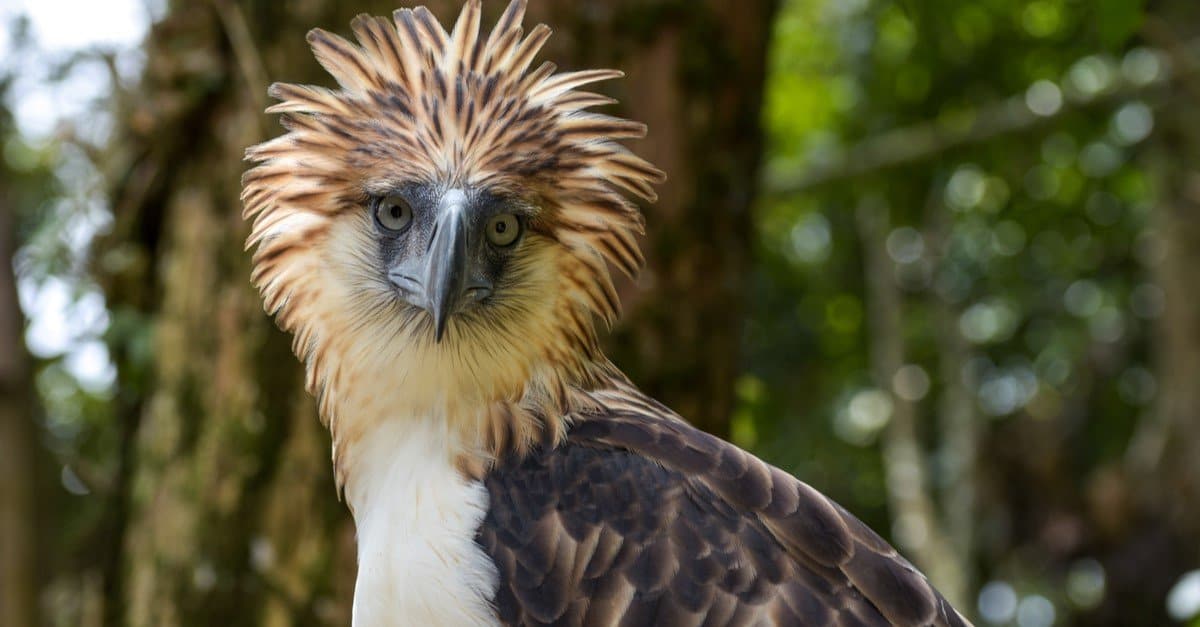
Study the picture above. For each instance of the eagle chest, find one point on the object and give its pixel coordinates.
(416, 517)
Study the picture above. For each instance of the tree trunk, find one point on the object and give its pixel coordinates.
(959, 420)
(1169, 442)
(232, 515)
(919, 530)
(695, 73)
(19, 574)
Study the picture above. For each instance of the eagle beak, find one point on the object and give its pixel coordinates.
(446, 261)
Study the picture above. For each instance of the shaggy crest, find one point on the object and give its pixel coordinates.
(453, 108)
(419, 104)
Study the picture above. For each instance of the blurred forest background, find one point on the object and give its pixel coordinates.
(933, 256)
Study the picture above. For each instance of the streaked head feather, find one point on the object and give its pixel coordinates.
(418, 104)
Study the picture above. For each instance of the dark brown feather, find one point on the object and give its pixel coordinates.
(640, 519)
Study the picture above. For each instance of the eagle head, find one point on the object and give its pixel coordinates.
(440, 226)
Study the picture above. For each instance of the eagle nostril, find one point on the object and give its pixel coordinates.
(478, 293)
(407, 284)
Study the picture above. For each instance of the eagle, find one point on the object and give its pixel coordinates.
(437, 233)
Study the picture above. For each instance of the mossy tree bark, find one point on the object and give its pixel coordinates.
(1174, 25)
(230, 511)
(695, 75)
(19, 538)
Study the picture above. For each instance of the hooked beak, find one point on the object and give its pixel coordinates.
(443, 280)
(445, 261)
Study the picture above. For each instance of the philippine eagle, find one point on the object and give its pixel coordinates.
(437, 233)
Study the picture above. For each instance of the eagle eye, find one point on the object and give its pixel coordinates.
(393, 213)
(503, 229)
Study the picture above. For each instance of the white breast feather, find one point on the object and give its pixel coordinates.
(418, 563)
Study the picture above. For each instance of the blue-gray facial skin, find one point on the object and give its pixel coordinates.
(445, 250)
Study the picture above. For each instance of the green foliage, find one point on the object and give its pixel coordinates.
(1036, 242)
(1118, 20)
(53, 189)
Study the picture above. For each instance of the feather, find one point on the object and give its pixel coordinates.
(509, 23)
(562, 83)
(526, 51)
(673, 540)
(464, 48)
(343, 60)
(381, 43)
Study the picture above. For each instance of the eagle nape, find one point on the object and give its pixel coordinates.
(437, 233)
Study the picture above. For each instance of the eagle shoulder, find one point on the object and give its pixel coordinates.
(639, 519)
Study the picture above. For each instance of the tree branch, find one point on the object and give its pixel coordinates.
(919, 529)
(18, 441)
(928, 139)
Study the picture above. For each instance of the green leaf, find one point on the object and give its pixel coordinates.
(1117, 20)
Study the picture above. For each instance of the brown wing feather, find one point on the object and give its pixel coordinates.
(640, 519)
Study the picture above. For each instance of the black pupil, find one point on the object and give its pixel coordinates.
(397, 212)
(501, 227)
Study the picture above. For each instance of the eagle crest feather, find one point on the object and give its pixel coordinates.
(416, 103)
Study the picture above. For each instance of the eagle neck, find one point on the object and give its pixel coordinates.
(465, 429)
